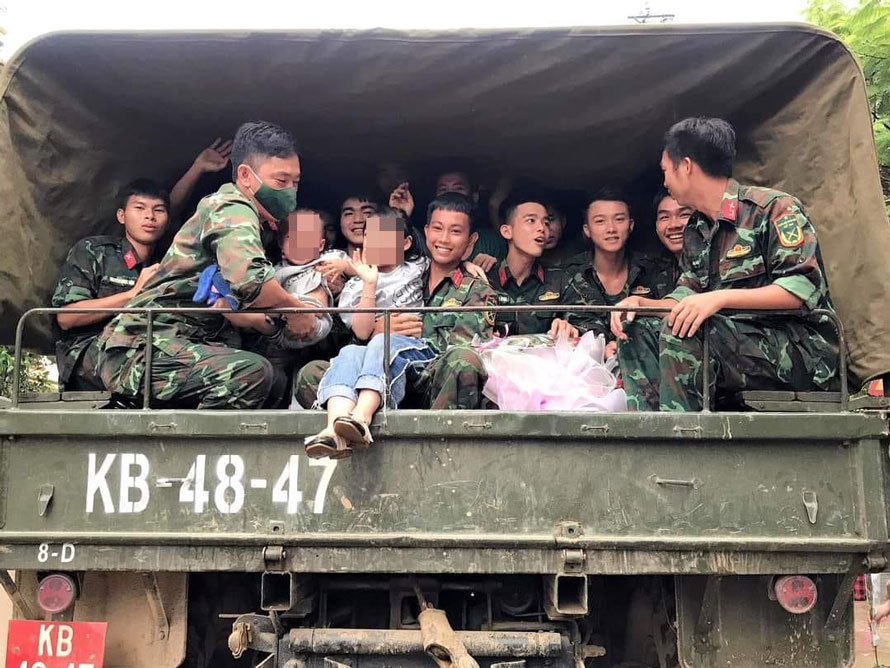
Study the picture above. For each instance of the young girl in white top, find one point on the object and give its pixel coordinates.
(389, 274)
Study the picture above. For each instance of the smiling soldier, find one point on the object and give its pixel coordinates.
(609, 272)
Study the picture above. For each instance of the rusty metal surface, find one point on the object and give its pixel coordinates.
(395, 642)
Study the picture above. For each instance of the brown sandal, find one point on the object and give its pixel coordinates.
(321, 446)
(355, 432)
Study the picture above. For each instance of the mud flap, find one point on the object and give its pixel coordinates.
(731, 621)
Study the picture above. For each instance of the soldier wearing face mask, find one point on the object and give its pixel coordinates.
(195, 359)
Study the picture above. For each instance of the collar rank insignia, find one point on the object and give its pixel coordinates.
(739, 250)
(130, 259)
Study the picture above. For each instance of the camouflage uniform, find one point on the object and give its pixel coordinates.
(762, 237)
(544, 287)
(195, 359)
(96, 267)
(454, 379)
(647, 276)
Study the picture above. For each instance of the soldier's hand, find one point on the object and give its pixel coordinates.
(882, 612)
(405, 324)
(627, 314)
(561, 327)
(215, 157)
(484, 261)
(690, 312)
(401, 198)
(143, 278)
(476, 271)
(611, 350)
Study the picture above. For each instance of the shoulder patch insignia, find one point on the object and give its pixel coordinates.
(739, 250)
(451, 303)
(789, 231)
(640, 290)
(489, 318)
(548, 296)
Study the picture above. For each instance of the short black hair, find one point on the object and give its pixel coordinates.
(608, 194)
(708, 142)
(260, 138)
(452, 202)
(361, 196)
(515, 200)
(402, 226)
(660, 194)
(146, 188)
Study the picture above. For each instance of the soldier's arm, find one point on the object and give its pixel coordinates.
(792, 254)
(233, 235)
(212, 159)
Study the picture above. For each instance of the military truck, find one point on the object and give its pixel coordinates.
(491, 538)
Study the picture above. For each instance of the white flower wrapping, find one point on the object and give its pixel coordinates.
(534, 373)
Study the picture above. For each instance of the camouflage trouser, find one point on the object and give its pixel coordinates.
(206, 376)
(664, 372)
(453, 380)
(84, 377)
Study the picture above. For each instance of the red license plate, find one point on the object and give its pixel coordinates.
(55, 644)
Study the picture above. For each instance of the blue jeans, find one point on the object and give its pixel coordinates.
(361, 368)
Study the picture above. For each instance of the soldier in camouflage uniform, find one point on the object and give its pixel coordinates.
(454, 379)
(195, 357)
(608, 226)
(744, 248)
(521, 279)
(106, 272)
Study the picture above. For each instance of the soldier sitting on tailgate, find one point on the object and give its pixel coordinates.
(610, 271)
(106, 272)
(744, 248)
(454, 379)
(196, 359)
(520, 279)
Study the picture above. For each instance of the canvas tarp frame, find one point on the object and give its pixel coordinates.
(81, 114)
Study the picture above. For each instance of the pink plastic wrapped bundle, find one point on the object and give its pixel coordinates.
(532, 373)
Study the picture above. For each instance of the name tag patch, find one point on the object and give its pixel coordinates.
(122, 281)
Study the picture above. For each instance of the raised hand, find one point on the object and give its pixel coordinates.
(402, 199)
(215, 157)
(366, 272)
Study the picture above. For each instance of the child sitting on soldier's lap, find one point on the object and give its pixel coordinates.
(389, 271)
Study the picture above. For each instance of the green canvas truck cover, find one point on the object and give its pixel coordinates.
(82, 114)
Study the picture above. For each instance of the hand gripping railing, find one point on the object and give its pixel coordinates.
(387, 332)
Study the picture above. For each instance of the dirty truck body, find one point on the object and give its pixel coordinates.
(548, 539)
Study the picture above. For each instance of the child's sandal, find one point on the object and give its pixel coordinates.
(321, 446)
(355, 432)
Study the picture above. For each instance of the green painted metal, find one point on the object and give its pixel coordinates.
(642, 493)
